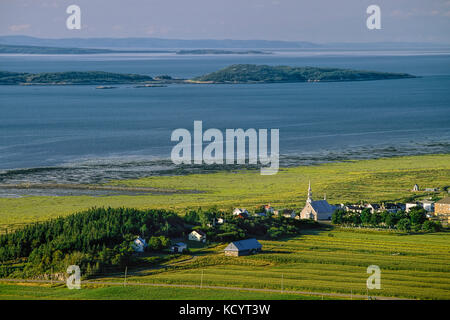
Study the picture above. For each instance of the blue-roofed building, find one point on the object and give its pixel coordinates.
(243, 247)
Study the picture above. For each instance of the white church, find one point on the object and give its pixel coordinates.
(316, 210)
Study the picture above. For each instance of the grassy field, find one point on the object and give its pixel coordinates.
(47, 292)
(372, 180)
(412, 266)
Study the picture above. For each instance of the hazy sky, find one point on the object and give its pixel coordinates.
(313, 20)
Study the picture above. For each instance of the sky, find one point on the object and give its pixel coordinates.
(319, 21)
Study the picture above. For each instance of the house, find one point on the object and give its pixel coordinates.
(220, 220)
(391, 207)
(431, 189)
(288, 213)
(373, 207)
(268, 208)
(442, 210)
(415, 188)
(428, 205)
(316, 210)
(139, 244)
(243, 247)
(197, 235)
(178, 247)
(410, 205)
(260, 214)
(239, 211)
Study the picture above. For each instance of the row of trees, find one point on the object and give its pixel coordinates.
(415, 220)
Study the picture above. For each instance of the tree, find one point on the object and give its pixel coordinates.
(337, 216)
(431, 226)
(404, 225)
(365, 216)
(417, 216)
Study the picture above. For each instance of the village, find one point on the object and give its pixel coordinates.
(319, 211)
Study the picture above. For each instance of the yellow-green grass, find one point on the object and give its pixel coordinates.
(412, 266)
(60, 292)
(370, 180)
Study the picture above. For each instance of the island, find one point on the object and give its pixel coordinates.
(250, 73)
(234, 74)
(70, 78)
(218, 51)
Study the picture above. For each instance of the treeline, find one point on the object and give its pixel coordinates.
(93, 239)
(415, 220)
(235, 228)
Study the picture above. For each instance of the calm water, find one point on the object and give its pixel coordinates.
(81, 134)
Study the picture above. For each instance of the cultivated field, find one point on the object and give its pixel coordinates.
(333, 261)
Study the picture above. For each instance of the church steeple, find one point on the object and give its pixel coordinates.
(309, 199)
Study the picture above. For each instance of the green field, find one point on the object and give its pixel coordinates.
(412, 266)
(415, 266)
(387, 179)
(39, 292)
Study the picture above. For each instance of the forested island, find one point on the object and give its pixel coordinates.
(250, 73)
(239, 73)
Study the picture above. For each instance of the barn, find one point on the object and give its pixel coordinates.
(243, 247)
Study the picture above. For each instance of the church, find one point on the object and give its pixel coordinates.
(316, 210)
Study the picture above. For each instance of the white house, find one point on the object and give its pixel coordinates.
(139, 244)
(178, 247)
(408, 206)
(428, 205)
(197, 235)
(288, 213)
(220, 220)
(238, 211)
(316, 210)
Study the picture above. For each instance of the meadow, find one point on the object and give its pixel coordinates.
(388, 179)
(415, 266)
(26, 291)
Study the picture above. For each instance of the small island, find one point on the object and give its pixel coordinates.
(234, 74)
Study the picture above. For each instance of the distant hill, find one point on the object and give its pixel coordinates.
(158, 43)
(250, 73)
(147, 43)
(48, 50)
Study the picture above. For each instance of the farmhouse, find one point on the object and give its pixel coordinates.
(139, 244)
(178, 247)
(240, 211)
(197, 235)
(243, 247)
(288, 213)
(442, 210)
(316, 210)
